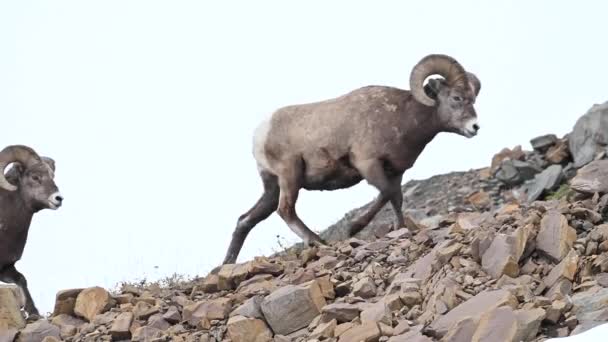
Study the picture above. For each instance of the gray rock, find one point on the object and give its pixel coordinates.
(341, 312)
(592, 178)
(584, 326)
(514, 172)
(252, 308)
(542, 143)
(547, 180)
(36, 332)
(589, 135)
(589, 301)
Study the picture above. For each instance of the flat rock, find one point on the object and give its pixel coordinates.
(399, 234)
(207, 310)
(474, 307)
(502, 256)
(462, 331)
(10, 308)
(243, 329)
(592, 178)
(498, 324)
(342, 312)
(144, 310)
(261, 265)
(64, 321)
(251, 308)
(543, 142)
(37, 331)
(412, 336)
(293, 307)
(423, 267)
(528, 323)
(93, 301)
(545, 181)
(326, 262)
(589, 301)
(121, 328)
(377, 313)
(145, 334)
(366, 332)
(565, 269)
(555, 237)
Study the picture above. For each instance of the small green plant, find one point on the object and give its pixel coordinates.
(562, 192)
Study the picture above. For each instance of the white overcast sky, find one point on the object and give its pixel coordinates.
(148, 108)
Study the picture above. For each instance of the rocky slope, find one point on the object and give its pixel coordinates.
(517, 251)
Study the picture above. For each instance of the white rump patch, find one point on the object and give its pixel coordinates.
(260, 136)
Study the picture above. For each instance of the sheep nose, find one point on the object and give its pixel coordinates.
(476, 127)
(59, 198)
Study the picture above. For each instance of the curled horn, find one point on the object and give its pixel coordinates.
(435, 64)
(474, 81)
(16, 153)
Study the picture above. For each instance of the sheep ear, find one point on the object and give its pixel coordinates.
(433, 87)
(50, 162)
(14, 173)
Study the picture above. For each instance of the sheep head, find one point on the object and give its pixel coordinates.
(31, 175)
(453, 95)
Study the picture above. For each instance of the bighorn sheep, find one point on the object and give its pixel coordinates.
(374, 133)
(27, 188)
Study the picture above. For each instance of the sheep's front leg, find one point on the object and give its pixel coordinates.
(289, 184)
(9, 274)
(390, 190)
(263, 208)
(397, 201)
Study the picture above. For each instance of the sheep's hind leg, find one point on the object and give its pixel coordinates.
(290, 181)
(9, 274)
(397, 201)
(390, 190)
(265, 206)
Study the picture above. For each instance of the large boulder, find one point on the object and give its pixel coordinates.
(292, 308)
(592, 178)
(590, 135)
(10, 307)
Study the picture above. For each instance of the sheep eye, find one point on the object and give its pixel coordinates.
(36, 178)
(457, 98)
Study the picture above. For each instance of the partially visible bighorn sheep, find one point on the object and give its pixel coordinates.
(27, 188)
(373, 133)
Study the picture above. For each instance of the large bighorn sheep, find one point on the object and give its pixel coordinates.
(27, 188)
(374, 133)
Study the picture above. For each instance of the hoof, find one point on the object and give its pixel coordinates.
(316, 243)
